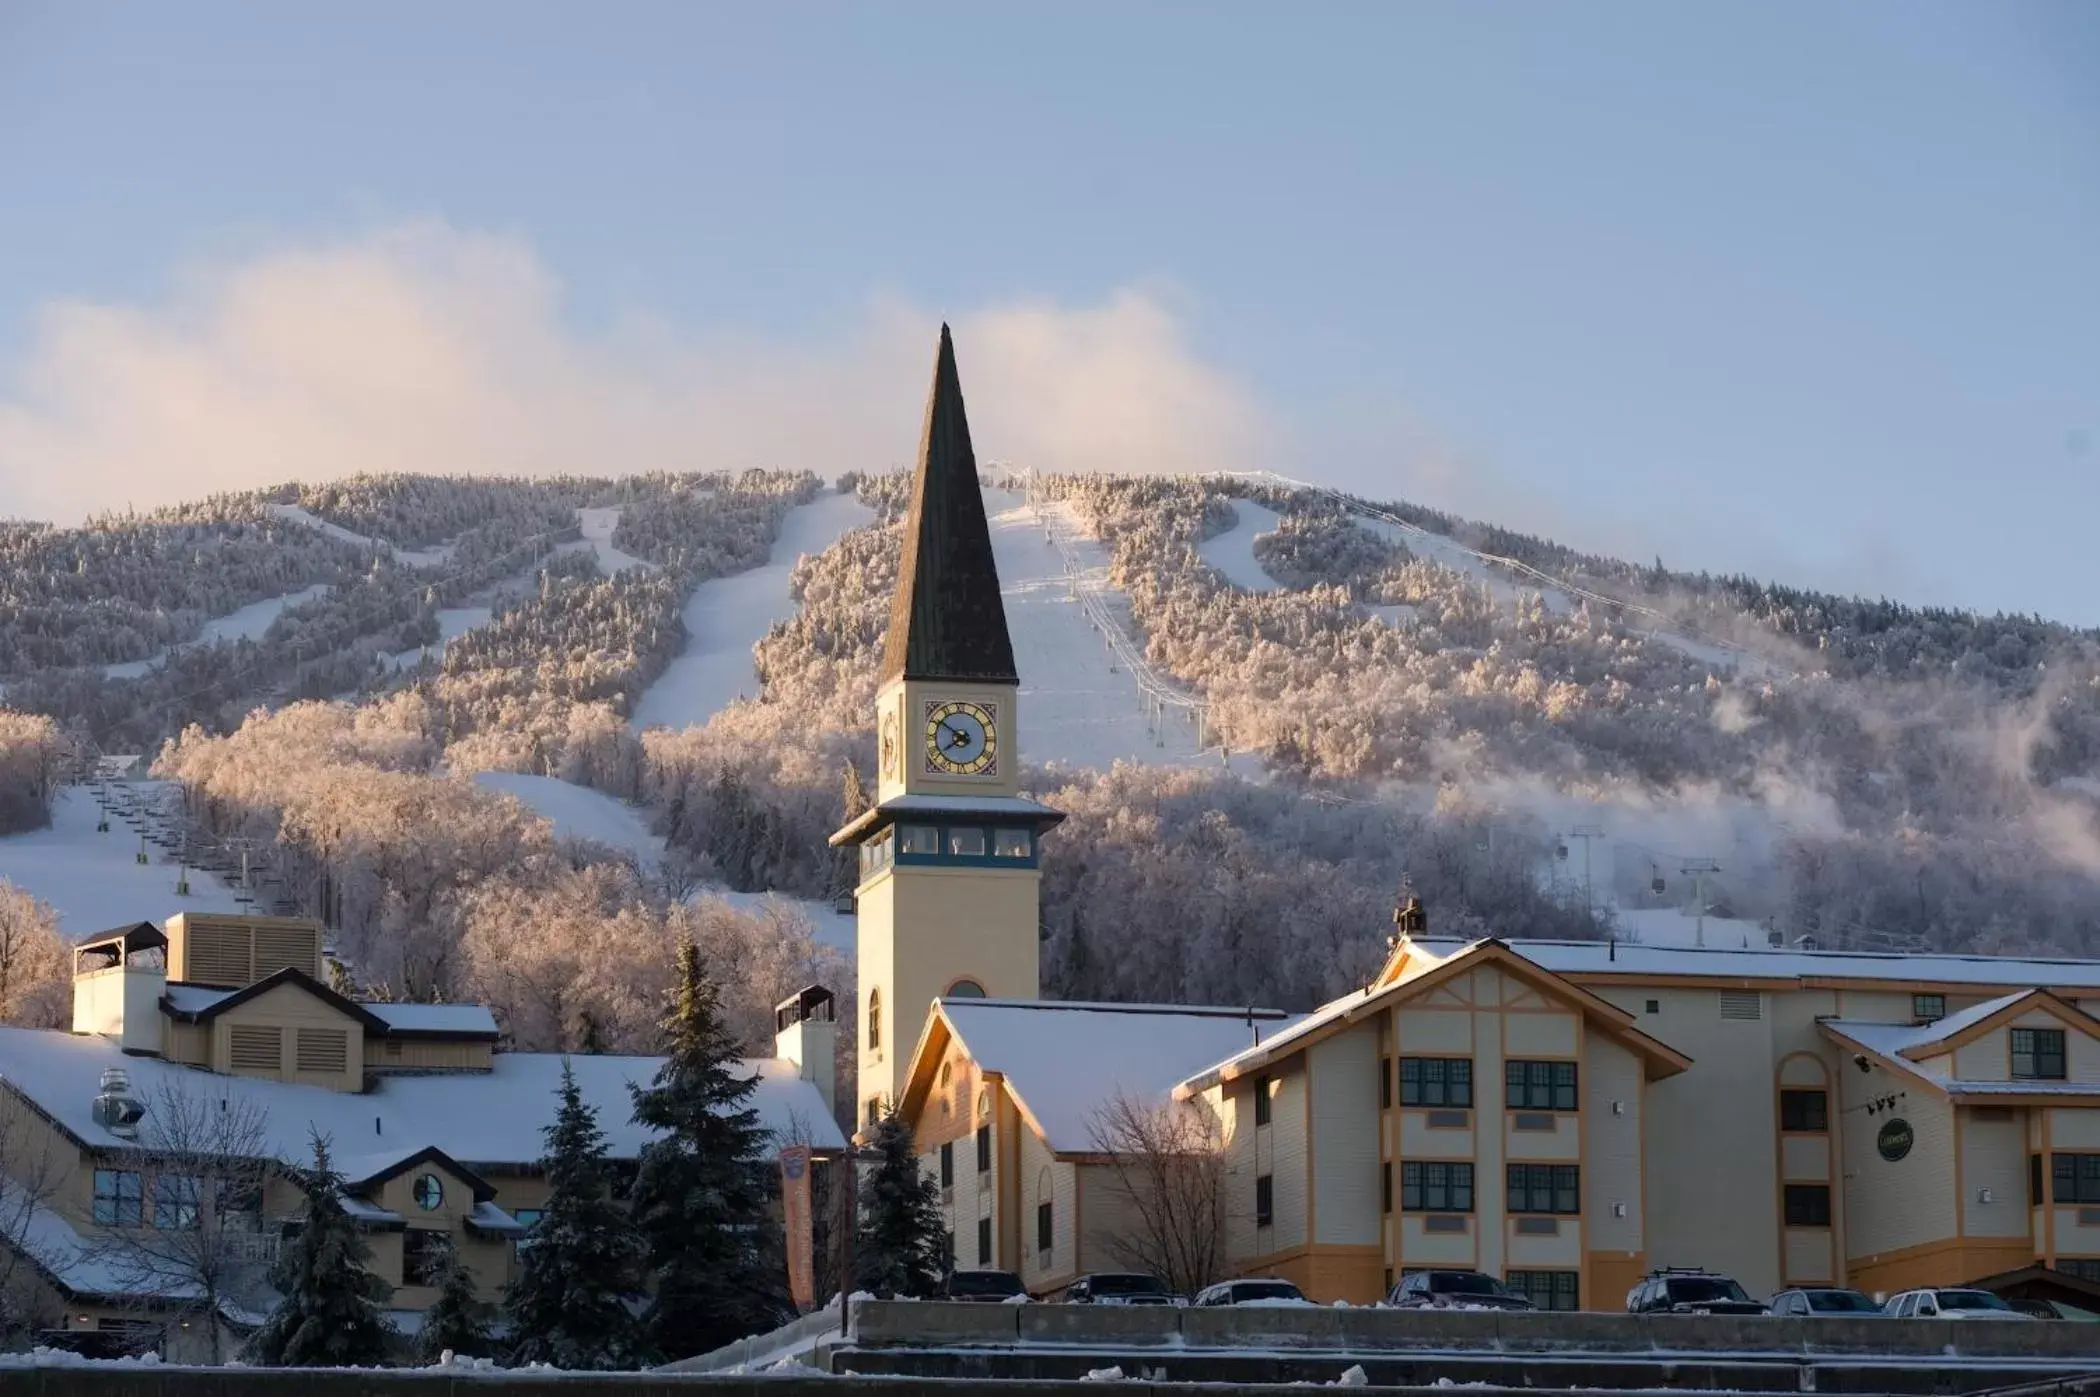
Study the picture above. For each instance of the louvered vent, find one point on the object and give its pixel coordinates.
(1742, 1004)
(257, 1049)
(323, 1050)
(277, 948)
(218, 956)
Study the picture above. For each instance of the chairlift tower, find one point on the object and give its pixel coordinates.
(1586, 833)
(1697, 870)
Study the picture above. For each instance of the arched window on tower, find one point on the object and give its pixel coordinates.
(964, 989)
(874, 1020)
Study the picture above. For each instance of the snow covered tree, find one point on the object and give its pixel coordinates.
(701, 1192)
(901, 1247)
(458, 1321)
(580, 1272)
(329, 1316)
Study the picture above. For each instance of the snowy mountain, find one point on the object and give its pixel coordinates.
(1264, 704)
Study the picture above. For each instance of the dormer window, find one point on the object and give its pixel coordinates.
(2038, 1054)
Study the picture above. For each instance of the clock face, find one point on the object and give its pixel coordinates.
(889, 744)
(962, 739)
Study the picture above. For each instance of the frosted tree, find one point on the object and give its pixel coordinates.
(35, 966)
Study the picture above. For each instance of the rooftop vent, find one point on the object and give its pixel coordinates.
(116, 1109)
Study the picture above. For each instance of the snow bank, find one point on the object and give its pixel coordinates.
(95, 881)
(1232, 552)
(726, 616)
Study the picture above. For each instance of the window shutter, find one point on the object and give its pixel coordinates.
(1747, 1005)
(323, 1050)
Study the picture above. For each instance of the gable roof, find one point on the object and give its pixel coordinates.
(193, 1003)
(946, 619)
(1418, 974)
(1063, 1060)
(372, 1171)
(1900, 1048)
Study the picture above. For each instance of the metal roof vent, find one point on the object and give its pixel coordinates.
(116, 1109)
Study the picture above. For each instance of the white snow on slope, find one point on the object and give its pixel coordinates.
(1435, 548)
(1079, 706)
(453, 622)
(578, 812)
(1232, 552)
(833, 928)
(248, 623)
(598, 526)
(726, 616)
(95, 881)
(409, 557)
(1676, 926)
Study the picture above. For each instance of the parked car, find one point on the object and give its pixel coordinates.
(1689, 1291)
(1119, 1288)
(1263, 1291)
(1444, 1290)
(1825, 1302)
(984, 1287)
(1951, 1304)
(2052, 1309)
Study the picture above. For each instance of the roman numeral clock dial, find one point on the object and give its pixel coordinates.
(962, 739)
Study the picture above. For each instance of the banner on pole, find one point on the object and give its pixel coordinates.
(795, 1209)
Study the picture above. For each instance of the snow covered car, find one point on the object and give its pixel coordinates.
(1951, 1304)
(1119, 1288)
(1454, 1290)
(985, 1288)
(1265, 1291)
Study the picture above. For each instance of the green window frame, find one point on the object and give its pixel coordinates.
(1436, 1081)
(1547, 1290)
(1545, 1188)
(1540, 1086)
(1429, 1186)
(2038, 1054)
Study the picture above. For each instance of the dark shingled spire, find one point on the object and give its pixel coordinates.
(946, 621)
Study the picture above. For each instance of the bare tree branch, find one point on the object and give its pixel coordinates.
(1166, 1164)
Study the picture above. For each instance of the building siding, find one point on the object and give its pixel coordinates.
(1611, 1166)
(1994, 1159)
(1345, 1123)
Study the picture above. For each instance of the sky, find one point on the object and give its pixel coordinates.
(1805, 290)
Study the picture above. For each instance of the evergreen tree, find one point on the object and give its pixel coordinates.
(329, 1316)
(458, 1320)
(582, 1265)
(901, 1246)
(702, 1189)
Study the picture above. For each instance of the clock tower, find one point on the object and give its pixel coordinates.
(949, 880)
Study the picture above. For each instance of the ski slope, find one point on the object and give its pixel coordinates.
(453, 622)
(1232, 552)
(409, 557)
(1080, 704)
(94, 881)
(726, 616)
(248, 623)
(578, 812)
(598, 526)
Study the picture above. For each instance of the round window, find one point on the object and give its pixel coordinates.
(430, 1192)
(965, 989)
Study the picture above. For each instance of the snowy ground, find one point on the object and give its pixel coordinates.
(1232, 552)
(453, 622)
(410, 557)
(248, 623)
(95, 880)
(1676, 926)
(1079, 704)
(726, 616)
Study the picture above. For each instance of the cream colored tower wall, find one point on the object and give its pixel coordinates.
(900, 717)
(1344, 1106)
(921, 929)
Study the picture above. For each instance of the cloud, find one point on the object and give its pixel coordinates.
(427, 348)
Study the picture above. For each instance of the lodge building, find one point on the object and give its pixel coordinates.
(1563, 1115)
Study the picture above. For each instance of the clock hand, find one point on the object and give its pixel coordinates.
(957, 737)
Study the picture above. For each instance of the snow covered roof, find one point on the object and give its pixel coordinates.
(1016, 808)
(1906, 1039)
(474, 1019)
(1636, 961)
(483, 1119)
(487, 1218)
(194, 999)
(1064, 1060)
(1899, 1046)
(370, 1213)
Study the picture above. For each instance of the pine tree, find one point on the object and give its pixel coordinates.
(702, 1189)
(458, 1320)
(570, 1303)
(329, 1316)
(900, 1248)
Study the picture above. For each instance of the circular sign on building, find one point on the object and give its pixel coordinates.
(1894, 1140)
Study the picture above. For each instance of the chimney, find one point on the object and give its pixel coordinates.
(115, 1108)
(805, 1032)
